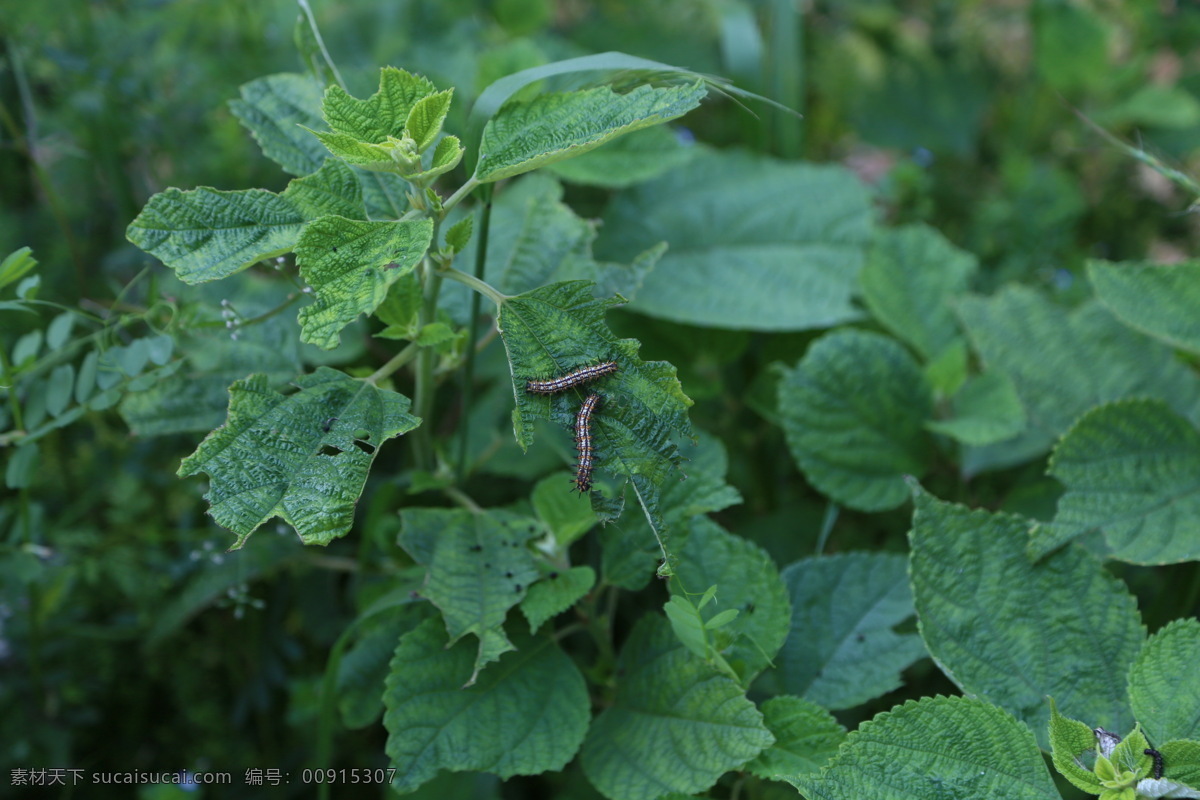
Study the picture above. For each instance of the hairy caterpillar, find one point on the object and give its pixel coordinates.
(1158, 761)
(579, 376)
(583, 443)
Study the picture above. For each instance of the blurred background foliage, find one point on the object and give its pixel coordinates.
(129, 640)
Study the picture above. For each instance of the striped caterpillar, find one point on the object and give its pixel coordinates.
(579, 376)
(583, 443)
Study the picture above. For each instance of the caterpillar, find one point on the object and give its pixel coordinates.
(579, 376)
(583, 443)
(1158, 761)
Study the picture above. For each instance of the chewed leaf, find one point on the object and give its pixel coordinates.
(303, 457)
(350, 264)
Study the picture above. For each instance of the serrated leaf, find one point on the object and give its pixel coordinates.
(332, 189)
(555, 593)
(1011, 631)
(987, 409)
(755, 243)
(525, 716)
(385, 194)
(552, 127)
(446, 155)
(910, 275)
(459, 234)
(853, 412)
(1064, 363)
(366, 155)
(675, 725)
(273, 109)
(364, 667)
(806, 736)
(205, 234)
(424, 121)
(381, 115)
(748, 585)
(1181, 765)
(350, 264)
(303, 457)
(1157, 299)
(1132, 470)
(479, 568)
(1070, 741)
(689, 629)
(631, 159)
(558, 328)
(935, 749)
(1164, 686)
(841, 649)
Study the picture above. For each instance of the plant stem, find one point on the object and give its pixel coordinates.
(464, 429)
(396, 362)
(460, 194)
(482, 287)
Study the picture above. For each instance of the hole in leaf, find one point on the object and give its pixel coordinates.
(330, 450)
(369, 449)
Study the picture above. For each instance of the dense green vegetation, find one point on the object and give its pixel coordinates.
(900, 440)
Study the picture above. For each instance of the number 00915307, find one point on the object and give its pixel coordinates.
(348, 775)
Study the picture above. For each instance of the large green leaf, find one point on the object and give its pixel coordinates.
(479, 567)
(806, 736)
(755, 243)
(910, 275)
(1131, 470)
(631, 159)
(206, 234)
(675, 725)
(746, 580)
(332, 189)
(303, 457)
(1158, 299)
(937, 748)
(1064, 363)
(526, 715)
(350, 264)
(841, 649)
(853, 412)
(273, 109)
(1164, 684)
(525, 135)
(1011, 631)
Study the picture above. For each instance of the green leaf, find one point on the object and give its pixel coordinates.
(935, 748)
(479, 568)
(87, 376)
(1156, 299)
(425, 120)
(350, 264)
(459, 234)
(1071, 47)
(15, 265)
(385, 194)
(1011, 631)
(853, 412)
(59, 330)
(747, 582)
(691, 631)
(276, 110)
(274, 456)
(1181, 763)
(987, 409)
(21, 469)
(1064, 363)
(1164, 685)
(206, 234)
(555, 593)
(675, 725)
(364, 668)
(446, 155)
(552, 127)
(568, 515)
(841, 650)
(1131, 470)
(333, 189)
(525, 716)
(631, 159)
(910, 275)
(59, 387)
(755, 243)
(381, 115)
(806, 736)
(1070, 742)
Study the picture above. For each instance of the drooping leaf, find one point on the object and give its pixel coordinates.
(853, 412)
(479, 568)
(205, 234)
(935, 749)
(1157, 299)
(755, 243)
(525, 135)
(273, 109)
(303, 457)
(1064, 363)
(841, 649)
(910, 274)
(1164, 685)
(675, 725)
(350, 264)
(1011, 631)
(1131, 470)
(631, 159)
(526, 715)
(987, 409)
(746, 581)
(555, 593)
(806, 737)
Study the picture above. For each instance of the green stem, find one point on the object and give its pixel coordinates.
(423, 436)
(312, 23)
(483, 288)
(460, 194)
(464, 430)
(396, 362)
